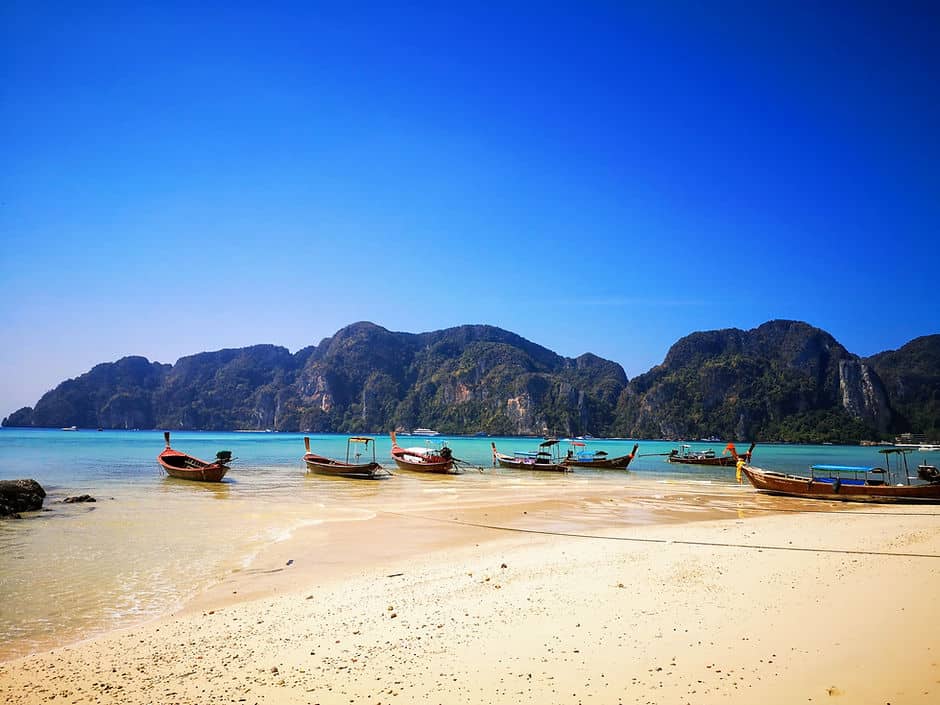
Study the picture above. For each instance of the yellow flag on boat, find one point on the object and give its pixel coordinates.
(740, 464)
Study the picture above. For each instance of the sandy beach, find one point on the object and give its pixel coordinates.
(641, 593)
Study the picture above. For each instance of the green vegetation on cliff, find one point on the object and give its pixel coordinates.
(784, 380)
(911, 375)
(362, 379)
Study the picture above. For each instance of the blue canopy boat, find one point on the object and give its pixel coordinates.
(543, 459)
(579, 456)
(854, 483)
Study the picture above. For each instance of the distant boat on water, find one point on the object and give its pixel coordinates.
(70, 428)
(425, 432)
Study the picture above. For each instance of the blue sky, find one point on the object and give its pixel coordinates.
(602, 177)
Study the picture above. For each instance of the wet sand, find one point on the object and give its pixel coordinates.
(644, 592)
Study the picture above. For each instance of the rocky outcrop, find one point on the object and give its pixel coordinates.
(911, 375)
(863, 395)
(20, 418)
(364, 378)
(20, 496)
(784, 380)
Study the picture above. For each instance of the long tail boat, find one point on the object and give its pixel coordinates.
(539, 460)
(322, 465)
(687, 456)
(440, 460)
(597, 459)
(187, 467)
(850, 483)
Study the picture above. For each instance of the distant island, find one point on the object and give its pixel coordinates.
(781, 381)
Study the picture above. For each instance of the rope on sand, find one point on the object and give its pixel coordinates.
(637, 539)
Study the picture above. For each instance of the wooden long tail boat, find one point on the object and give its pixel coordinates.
(328, 466)
(849, 483)
(687, 456)
(187, 467)
(539, 460)
(598, 459)
(440, 460)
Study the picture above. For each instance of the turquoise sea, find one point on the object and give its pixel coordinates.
(150, 541)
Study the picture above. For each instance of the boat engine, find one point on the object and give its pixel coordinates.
(223, 456)
(928, 473)
(446, 453)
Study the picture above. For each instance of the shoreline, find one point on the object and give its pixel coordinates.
(443, 435)
(644, 586)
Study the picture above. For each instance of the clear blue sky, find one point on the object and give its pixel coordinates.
(602, 177)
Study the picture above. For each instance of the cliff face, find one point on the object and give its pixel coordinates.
(235, 388)
(911, 375)
(464, 379)
(783, 380)
(113, 395)
(362, 379)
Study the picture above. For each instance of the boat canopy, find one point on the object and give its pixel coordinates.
(845, 468)
(360, 439)
(548, 442)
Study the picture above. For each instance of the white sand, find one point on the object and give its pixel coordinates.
(656, 618)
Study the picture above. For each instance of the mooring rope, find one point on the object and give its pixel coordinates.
(680, 542)
(823, 511)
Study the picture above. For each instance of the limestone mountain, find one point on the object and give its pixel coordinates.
(783, 380)
(110, 395)
(362, 379)
(911, 375)
(459, 380)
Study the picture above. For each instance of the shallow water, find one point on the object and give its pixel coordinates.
(150, 541)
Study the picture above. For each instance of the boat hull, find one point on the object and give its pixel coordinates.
(206, 472)
(420, 460)
(712, 460)
(506, 461)
(718, 461)
(360, 471)
(619, 463)
(187, 467)
(446, 466)
(818, 488)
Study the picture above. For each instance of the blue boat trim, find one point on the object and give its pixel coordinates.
(845, 468)
(840, 480)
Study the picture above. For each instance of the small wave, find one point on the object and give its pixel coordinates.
(352, 515)
(285, 533)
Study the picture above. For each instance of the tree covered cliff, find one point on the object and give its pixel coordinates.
(911, 375)
(784, 380)
(362, 379)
